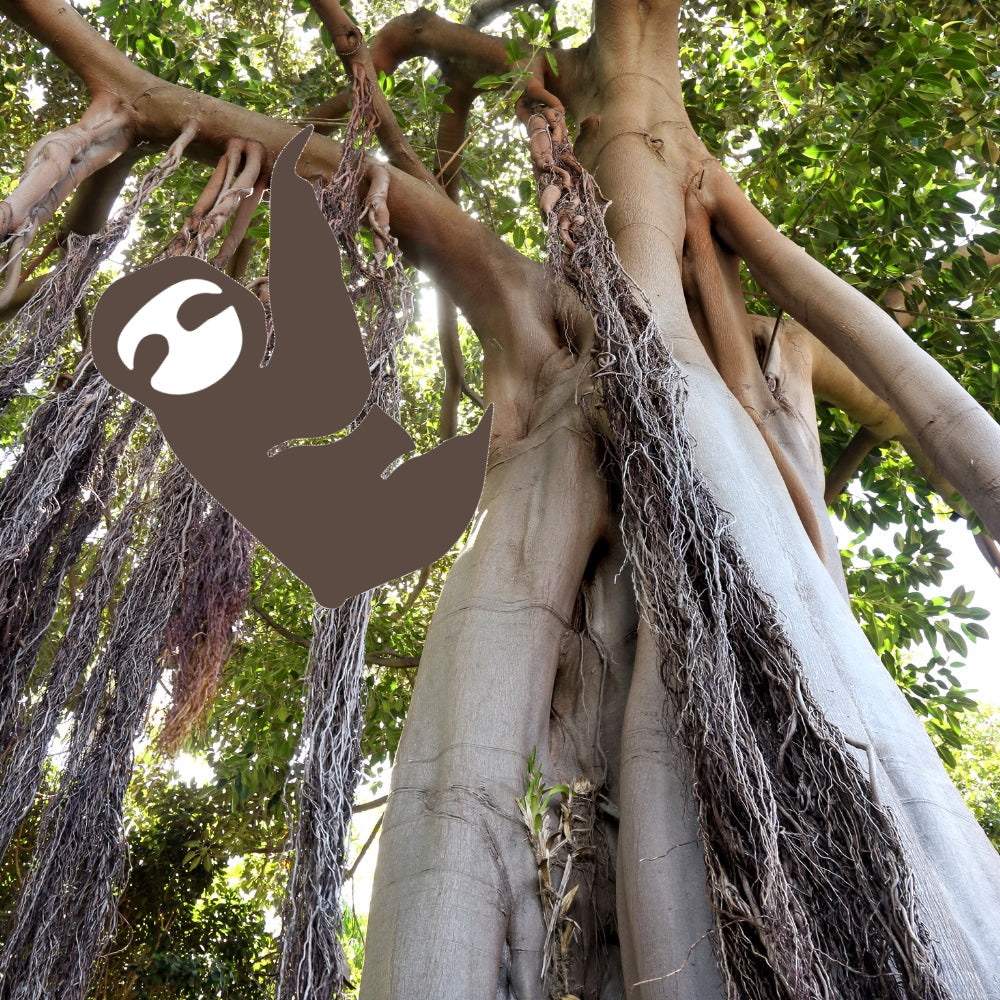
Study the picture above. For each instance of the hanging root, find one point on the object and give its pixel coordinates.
(229, 189)
(199, 636)
(33, 334)
(806, 873)
(313, 966)
(65, 911)
(36, 577)
(26, 740)
(38, 498)
(189, 586)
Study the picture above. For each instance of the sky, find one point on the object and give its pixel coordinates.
(982, 669)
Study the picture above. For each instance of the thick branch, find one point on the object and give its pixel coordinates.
(95, 197)
(470, 53)
(484, 11)
(712, 282)
(448, 167)
(897, 299)
(465, 54)
(58, 162)
(54, 167)
(350, 46)
(842, 471)
(957, 434)
(477, 269)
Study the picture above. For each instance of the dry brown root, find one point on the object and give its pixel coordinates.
(53, 168)
(198, 638)
(808, 876)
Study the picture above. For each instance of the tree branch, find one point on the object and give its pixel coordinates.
(399, 662)
(54, 167)
(372, 804)
(484, 11)
(457, 252)
(350, 46)
(448, 167)
(349, 874)
(58, 162)
(466, 55)
(293, 637)
(849, 461)
(95, 197)
(949, 426)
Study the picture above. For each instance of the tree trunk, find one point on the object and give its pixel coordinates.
(533, 647)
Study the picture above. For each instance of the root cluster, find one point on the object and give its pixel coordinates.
(313, 966)
(806, 872)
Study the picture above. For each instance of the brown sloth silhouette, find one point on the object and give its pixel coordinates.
(187, 341)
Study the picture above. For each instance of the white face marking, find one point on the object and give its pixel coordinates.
(197, 358)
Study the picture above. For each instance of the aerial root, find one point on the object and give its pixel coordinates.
(218, 574)
(375, 212)
(29, 725)
(327, 765)
(61, 449)
(807, 874)
(225, 193)
(65, 912)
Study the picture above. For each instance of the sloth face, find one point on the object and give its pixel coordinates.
(175, 328)
(196, 358)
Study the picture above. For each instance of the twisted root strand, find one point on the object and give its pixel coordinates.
(806, 872)
(326, 774)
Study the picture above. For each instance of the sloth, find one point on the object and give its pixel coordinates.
(189, 342)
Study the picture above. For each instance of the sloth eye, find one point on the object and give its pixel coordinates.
(196, 358)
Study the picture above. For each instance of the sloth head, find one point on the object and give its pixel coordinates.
(178, 328)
